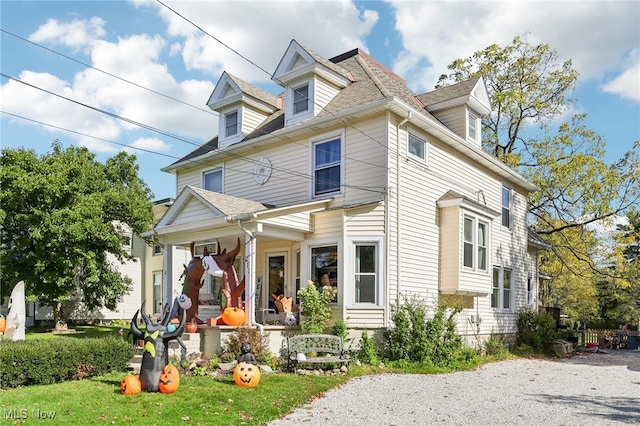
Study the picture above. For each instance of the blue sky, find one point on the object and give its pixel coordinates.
(145, 43)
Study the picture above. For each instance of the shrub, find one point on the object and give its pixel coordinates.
(314, 308)
(259, 345)
(536, 330)
(368, 351)
(494, 346)
(40, 362)
(418, 339)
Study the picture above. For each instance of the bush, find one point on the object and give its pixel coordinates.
(418, 339)
(494, 346)
(536, 331)
(314, 308)
(368, 351)
(41, 362)
(259, 345)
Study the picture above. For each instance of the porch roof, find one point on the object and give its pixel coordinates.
(198, 215)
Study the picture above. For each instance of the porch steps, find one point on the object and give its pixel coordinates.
(191, 341)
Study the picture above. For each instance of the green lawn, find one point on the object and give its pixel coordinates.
(200, 400)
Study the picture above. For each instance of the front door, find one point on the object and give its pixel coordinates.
(276, 264)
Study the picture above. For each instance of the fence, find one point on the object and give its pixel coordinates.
(604, 337)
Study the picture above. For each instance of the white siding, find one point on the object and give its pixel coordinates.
(324, 93)
(251, 118)
(454, 119)
(194, 211)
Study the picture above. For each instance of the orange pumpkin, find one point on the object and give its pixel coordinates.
(246, 375)
(169, 379)
(233, 316)
(191, 327)
(130, 385)
(3, 324)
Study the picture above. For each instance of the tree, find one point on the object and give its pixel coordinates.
(62, 214)
(528, 88)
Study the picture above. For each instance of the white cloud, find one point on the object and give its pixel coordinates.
(436, 33)
(261, 31)
(147, 144)
(627, 84)
(77, 34)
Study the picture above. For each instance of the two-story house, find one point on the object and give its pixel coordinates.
(349, 173)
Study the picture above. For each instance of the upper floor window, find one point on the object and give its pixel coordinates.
(417, 147)
(473, 126)
(212, 180)
(301, 99)
(475, 243)
(327, 166)
(506, 207)
(231, 123)
(502, 294)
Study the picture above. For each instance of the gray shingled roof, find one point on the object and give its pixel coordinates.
(371, 83)
(454, 91)
(228, 205)
(255, 92)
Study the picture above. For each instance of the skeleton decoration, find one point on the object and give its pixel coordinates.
(16, 317)
(156, 342)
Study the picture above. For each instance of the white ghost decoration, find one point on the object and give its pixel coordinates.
(290, 319)
(184, 301)
(16, 318)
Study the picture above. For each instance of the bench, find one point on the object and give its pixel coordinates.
(315, 349)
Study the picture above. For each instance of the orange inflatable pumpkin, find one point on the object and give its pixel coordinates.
(246, 375)
(233, 316)
(169, 379)
(130, 385)
(3, 324)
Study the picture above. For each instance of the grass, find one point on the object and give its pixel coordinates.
(200, 400)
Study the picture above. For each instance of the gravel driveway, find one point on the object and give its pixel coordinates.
(586, 389)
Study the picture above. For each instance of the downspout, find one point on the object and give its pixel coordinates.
(398, 251)
(250, 277)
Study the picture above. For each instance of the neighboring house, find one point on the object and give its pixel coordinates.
(145, 271)
(350, 173)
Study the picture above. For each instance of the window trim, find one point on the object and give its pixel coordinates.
(508, 208)
(500, 302)
(350, 271)
(425, 147)
(290, 116)
(210, 171)
(530, 289)
(472, 117)
(476, 222)
(228, 135)
(320, 140)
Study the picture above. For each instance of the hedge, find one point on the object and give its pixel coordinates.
(42, 362)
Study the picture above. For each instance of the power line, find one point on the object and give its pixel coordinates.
(108, 73)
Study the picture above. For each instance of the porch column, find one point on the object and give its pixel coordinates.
(167, 273)
(250, 278)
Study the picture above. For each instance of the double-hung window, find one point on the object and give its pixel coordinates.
(366, 278)
(327, 166)
(473, 126)
(475, 243)
(417, 147)
(506, 207)
(301, 99)
(212, 180)
(502, 291)
(529, 290)
(231, 123)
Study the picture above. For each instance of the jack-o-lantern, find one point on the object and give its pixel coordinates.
(233, 316)
(246, 375)
(169, 379)
(130, 385)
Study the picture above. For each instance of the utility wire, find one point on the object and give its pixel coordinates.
(107, 73)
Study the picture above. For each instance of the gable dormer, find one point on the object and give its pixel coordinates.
(460, 107)
(310, 82)
(241, 108)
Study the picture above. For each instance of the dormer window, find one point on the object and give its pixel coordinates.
(301, 99)
(231, 123)
(473, 127)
